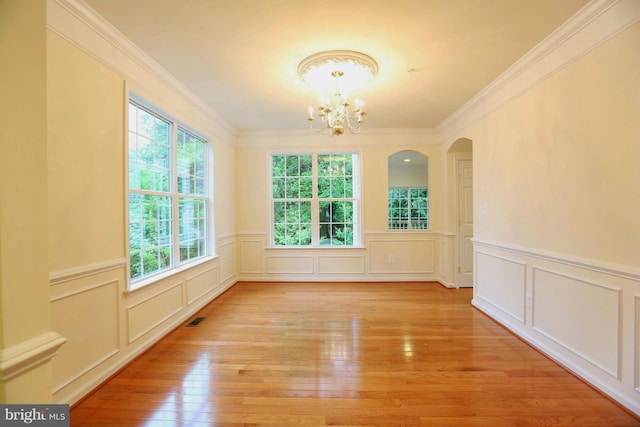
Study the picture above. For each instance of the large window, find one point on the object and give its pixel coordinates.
(167, 194)
(315, 199)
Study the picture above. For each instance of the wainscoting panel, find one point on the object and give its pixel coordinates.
(251, 256)
(341, 265)
(566, 307)
(501, 282)
(290, 265)
(583, 314)
(403, 256)
(200, 284)
(150, 313)
(227, 259)
(89, 319)
(636, 347)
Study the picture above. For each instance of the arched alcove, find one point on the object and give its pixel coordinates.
(408, 192)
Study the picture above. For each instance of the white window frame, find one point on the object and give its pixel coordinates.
(315, 201)
(175, 196)
(409, 220)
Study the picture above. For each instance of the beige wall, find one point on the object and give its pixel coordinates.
(557, 168)
(85, 158)
(556, 202)
(385, 255)
(88, 298)
(25, 338)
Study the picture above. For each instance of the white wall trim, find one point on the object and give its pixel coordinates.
(24, 356)
(70, 274)
(479, 288)
(636, 342)
(180, 286)
(85, 371)
(587, 264)
(446, 284)
(615, 373)
(591, 26)
(577, 370)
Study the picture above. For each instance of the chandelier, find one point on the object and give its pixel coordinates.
(335, 74)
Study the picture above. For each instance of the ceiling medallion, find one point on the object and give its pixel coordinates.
(334, 74)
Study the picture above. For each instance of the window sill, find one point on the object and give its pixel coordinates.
(156, 278)
(309, 248)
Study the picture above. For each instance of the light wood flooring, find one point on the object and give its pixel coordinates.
(345, 354)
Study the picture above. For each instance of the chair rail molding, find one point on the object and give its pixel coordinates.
(28, 354)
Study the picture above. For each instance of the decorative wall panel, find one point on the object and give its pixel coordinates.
(88, 318)
(501, 281)
(341, 265)
(251, 257)
(200, 284)
(290, 264)
(402, 256)
(152, 312)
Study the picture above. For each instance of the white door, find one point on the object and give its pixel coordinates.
(465, 223)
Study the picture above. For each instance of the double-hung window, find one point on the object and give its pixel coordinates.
(168, 194)
(408, 208)
(315, 199)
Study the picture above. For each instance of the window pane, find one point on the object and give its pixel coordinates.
(149, 150)
(324, 165)
(149, 228)
(292, 215)
(348, 187)
(306, 165)
(306, 187)
(278, 166)
(192, 228)
(324, 187)
(190, 159)
(293, 188)
(293, 167)
(337, 187)
(278, 188)
(336, 223)
(278, 212)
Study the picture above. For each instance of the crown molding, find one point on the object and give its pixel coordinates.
(93, 21)
(594, 24)
(308, 138)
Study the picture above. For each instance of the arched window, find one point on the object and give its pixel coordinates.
(408, 197)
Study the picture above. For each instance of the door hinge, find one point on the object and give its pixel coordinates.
(459, 269)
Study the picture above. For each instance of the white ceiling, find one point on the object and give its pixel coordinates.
(241, 56)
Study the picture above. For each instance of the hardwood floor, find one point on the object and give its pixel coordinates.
(345, 354)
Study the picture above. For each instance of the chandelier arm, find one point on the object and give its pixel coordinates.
(316, 130)
(358, 125)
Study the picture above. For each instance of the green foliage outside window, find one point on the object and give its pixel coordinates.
(293, 197)
(154, 187)
(408, 208)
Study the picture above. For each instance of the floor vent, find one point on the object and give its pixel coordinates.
(195, 322)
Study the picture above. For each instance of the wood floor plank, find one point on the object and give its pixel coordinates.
(345, 354)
